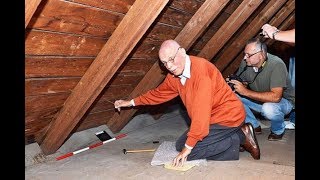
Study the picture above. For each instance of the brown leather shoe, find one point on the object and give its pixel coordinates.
(258, 130)
(251, 144)
(275, 137)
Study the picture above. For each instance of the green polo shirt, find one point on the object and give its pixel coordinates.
(273, 74)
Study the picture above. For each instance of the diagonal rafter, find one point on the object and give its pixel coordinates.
(30, 8)
(237, 18)
(194, 28)
(130, 30)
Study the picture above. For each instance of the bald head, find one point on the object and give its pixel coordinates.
(172, 56)
(168, 48)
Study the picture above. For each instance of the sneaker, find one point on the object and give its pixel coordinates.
(289, 125)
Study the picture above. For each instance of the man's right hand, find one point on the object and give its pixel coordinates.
(121, 103)
(239, 87)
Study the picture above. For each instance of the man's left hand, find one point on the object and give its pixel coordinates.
(181, 158)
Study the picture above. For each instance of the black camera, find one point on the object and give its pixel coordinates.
(233, 77)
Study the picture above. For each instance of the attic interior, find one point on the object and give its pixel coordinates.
(82, 55)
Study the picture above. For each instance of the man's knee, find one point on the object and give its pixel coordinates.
(270, 110)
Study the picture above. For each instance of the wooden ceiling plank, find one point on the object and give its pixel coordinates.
(193, 29)
(196, 25)
(276, 20)
(130, 30)
(237, 18)
(233, 66)
(280, 17)
(254, 27)
(30, 8)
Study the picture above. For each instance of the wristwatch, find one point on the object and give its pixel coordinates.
(274, 33)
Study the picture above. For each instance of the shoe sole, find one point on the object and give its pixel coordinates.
(271, 139)
(274, 139)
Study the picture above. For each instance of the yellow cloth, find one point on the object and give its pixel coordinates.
(185, 167)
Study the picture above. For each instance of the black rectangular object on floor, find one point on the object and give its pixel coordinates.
(103, 135)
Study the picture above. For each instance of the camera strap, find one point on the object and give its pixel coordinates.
(244, 69)
(258, 72)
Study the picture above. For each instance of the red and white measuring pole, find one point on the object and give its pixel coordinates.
(90, 147)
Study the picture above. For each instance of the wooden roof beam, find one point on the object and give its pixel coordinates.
(252, 29)
(233, 23)
(130, 30)
(30, 7)
(188, 35)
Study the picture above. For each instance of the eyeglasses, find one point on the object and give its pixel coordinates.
(247, 55)
(171, 59)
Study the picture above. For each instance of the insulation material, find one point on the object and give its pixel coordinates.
(166, 152)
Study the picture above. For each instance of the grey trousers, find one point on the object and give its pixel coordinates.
(221, 144)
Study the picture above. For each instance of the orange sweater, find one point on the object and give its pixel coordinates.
(206, 96)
